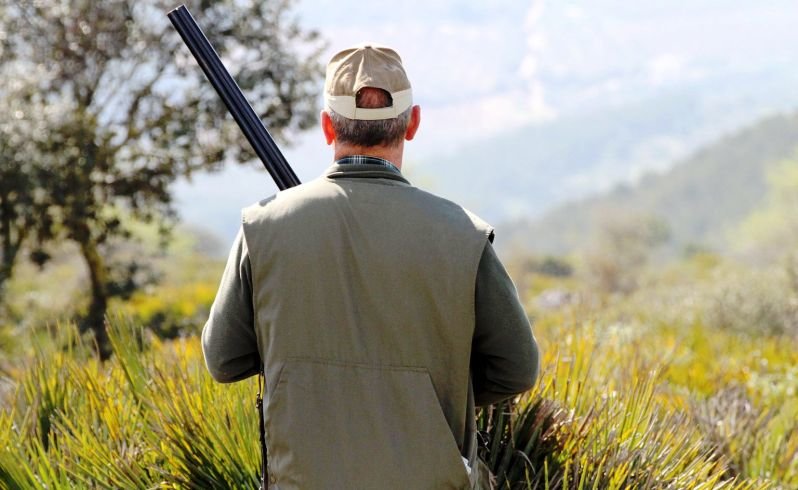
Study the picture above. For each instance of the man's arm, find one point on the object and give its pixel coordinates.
(505, 358)
(228, 338)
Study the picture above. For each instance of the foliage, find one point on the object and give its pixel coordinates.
(177, 305)
(618, 405)
(756, 303)
(771, 231)
(110, 111)
(18, 174)
(644, 390)
(171, 311)
(732, 426)
(548, 265)
(150, 418)
(623, 245)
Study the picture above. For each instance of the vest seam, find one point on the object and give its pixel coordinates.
(362, 365)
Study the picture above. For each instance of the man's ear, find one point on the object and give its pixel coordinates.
(412, 125)
(327, 127)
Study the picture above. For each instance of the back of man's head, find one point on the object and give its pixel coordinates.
(368, 96)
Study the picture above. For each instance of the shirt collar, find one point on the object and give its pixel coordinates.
(355, 166)
(367, 160)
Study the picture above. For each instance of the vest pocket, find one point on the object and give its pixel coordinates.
(340, 425)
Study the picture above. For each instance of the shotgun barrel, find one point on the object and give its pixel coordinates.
(255, 132)
(249, 122)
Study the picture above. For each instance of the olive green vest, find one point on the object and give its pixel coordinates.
(363, 290)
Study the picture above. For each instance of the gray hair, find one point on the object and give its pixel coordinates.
(380, 132)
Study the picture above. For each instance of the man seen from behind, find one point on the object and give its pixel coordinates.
(379, 313)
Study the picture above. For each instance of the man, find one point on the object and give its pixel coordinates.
(380, 313)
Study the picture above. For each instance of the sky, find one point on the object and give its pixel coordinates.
(482, 68)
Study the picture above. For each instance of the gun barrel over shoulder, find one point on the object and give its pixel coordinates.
(249, 122)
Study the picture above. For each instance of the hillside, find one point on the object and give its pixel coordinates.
(700, 197)
(525, 172)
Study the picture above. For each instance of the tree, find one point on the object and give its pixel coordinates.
(118, 111)
(17, 175)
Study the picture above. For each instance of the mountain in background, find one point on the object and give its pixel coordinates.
(520, 174)
(527, 105)
(524, 173)
(700, 198)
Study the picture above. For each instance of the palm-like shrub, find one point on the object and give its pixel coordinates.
(604, 416)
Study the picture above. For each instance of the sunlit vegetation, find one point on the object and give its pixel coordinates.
(150, 417)
(667, 332)
(656, 374)
(648, 389)
(101, 116)
(676, 385)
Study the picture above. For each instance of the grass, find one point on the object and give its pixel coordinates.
(636, 392)
(589, 424)
(603, 416)
(151, 418)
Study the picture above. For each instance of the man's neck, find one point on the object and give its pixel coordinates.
(390, 153)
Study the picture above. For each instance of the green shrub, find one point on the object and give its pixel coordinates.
(610, 412)
(756, 303)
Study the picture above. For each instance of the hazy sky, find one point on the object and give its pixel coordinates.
(479, 68)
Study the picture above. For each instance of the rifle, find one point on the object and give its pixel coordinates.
(231, 95)
(256, 134)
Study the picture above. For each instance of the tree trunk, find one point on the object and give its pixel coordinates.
(10, 245)
(6, 267)
(98, 276)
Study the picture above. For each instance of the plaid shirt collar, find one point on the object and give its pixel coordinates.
(367, 160)
(361, 166)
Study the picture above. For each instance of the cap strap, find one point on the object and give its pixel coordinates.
(345, 105)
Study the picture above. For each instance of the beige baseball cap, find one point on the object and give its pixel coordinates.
(366, 66)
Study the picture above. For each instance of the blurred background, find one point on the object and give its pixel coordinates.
(604, 141)
(639, 161)
(530, 105)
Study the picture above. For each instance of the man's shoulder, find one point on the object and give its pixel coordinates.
(454, 211)
(285, 200)
(319, 193)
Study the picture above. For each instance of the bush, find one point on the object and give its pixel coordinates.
(616, 407)
(151, 417)
(755, 303)
(170, 311)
